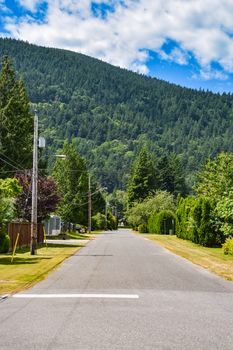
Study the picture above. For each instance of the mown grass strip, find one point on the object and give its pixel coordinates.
(27, 269)
(212, 259)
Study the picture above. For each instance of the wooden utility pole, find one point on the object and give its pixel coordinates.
(106, 214)
(89, 203)
(34, 188)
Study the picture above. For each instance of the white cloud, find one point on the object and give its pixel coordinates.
(29, 4)
(124, 38)
(3, 8)
(208, 73)
(176, 55)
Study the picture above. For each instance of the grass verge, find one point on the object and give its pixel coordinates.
(212, 259)
(27, 269)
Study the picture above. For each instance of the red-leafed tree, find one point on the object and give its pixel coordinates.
(48, 196)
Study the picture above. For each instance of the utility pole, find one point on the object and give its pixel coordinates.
(89, 203)
(106, 214)
(34, 188)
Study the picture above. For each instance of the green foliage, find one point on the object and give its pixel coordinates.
(228, 246)
(224, 211)
(110, 113)
(4, 242)
(112, 221)
(195, 221)
(216, 182)
(142, 228)
(98, 222)
(216, 177)
(140, 212)
(118, 202)
(16, 122)
(72, 180)
(9, 189)
(142, 181)
(162, 222)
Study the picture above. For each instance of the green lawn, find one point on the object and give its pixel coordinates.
(26, 269)
(212, 259)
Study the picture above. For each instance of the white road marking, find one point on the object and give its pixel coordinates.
(103, 296)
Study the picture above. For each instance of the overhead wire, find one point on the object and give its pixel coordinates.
(12, 161)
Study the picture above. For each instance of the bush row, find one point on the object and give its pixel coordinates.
(98, 222)
(195, 221)
(162, 222)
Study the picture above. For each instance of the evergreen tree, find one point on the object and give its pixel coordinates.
(142, 181)
(72, 179)
(16, 122)
(170, 175)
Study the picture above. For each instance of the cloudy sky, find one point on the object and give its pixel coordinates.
(189, 42)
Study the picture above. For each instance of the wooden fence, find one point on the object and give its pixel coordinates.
(24, 230)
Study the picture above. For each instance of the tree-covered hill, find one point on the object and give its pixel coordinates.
(111, 113)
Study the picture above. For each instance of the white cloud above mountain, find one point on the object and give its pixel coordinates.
(132, 29)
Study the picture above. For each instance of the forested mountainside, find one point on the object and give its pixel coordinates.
(111, 113)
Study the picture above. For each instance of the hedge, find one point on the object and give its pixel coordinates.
(162, 222)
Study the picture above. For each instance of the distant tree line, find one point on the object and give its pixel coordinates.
(110, 114)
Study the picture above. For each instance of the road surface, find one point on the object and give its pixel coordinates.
(121, 292)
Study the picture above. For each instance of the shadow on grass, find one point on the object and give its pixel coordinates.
(21, 261)
(58, 245)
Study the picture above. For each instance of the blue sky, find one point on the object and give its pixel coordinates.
(187, 42)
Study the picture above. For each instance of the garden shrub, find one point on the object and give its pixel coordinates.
(4, 242)
(142, 228)
(112, 222)
(162, 222)
(98, 222)
(228, 246)
(195, 221)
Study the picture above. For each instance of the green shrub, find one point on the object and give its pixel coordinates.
(112, 222)
(142, 228)
(195, 221)
(228, 246)
(98, 222)
(4, 243)
(162, 222)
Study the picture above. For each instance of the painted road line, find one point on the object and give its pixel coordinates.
(96, 296)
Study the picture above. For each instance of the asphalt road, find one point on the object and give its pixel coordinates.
(121, 292)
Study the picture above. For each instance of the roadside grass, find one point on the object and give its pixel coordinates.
(212, 259)
(70, 235)
(27, 269)
(76, 235)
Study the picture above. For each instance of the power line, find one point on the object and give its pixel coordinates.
(5, 161)
(12, 161)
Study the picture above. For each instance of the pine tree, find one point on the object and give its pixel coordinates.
(142, 181)
(170, 175)
(72, 180)
(16, 122)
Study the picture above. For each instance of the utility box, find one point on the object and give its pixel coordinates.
(53, 226)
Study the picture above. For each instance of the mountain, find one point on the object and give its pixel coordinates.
(111, 113)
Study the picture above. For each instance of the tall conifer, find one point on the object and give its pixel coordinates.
(16, 121)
